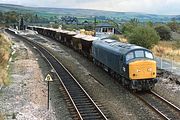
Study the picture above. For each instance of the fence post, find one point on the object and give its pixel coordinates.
(172, 65)
(161, 63)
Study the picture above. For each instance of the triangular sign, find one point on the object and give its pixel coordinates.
(48, 78)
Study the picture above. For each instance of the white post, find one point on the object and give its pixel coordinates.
(161, 63)
(172, 66)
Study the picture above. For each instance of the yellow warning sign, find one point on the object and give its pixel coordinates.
(48, 78)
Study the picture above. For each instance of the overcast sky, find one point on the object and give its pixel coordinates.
(171, 7)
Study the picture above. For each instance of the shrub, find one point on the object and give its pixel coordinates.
(144, 36)
(164, 32)
(177, 44)
(128, 27)
(115, 37)
(173, 26)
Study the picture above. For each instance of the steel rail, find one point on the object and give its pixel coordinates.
(160, 105)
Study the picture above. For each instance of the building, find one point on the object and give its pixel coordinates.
(105, 28)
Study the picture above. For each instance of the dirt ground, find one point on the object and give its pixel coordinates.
(25, 98)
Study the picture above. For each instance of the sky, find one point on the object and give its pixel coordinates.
(164, 7)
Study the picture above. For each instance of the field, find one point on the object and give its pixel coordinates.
(4, 57)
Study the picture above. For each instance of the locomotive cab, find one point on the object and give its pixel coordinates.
(142, 67)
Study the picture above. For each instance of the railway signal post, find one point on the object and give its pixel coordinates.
(48, 79)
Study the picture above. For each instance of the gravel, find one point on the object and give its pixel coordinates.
(168, 87)
(26, 96)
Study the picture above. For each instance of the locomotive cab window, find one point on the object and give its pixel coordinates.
(148, 55)
(139, 54)
(129, 56)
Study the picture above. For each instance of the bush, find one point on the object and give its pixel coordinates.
(128, 27)
(144, 36)
(164, 32)
(115, 37)
(177, 44)
(173, 26)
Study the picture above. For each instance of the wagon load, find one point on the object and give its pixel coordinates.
(69, 37)
(76, 41)
(64, 36)
(86, 43)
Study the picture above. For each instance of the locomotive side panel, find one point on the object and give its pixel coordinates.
(107, 57)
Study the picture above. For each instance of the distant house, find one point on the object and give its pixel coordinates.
(69, 20)
(105, 28)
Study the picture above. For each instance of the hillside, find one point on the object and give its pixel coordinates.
(87, 13)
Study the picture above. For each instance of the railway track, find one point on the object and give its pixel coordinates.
(85, 107)
(160, 105)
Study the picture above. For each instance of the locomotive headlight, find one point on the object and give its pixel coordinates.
(138, 70)
(149, 69)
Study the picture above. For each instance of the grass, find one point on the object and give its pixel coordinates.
(4, 57)
(1, 117)
(168, 50)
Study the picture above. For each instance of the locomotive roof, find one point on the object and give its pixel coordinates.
(117, 47)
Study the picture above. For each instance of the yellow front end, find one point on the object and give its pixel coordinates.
(142, 69)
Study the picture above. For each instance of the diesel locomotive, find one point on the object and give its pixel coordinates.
(132, 65)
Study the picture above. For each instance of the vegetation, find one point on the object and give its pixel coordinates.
(164, 32)
(128, 27)
(144, 36)
(1, 116)
(115, 37)
(4, 57)
(55, 25)
(168, 50)
(72, 27)
(174, 26)
(177, 44)
(12, 17)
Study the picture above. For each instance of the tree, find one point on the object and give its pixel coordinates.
(128, 27)
(144, 36)
(173, 25)
(150, 23)
(164, 32)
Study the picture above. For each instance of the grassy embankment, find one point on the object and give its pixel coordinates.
(169, 49)
(4, 57)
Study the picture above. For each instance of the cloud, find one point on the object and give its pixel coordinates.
(147, 6)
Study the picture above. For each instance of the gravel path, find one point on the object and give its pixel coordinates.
(26, 96)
